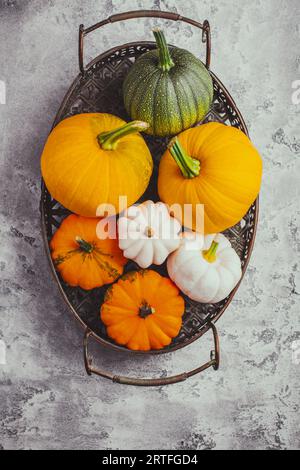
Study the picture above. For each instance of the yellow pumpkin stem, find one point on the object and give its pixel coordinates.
(83, 245)
(210, 254)
(109, 140)
(165, 59)
(190, 167)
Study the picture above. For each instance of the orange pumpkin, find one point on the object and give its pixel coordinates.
(90, 160)
(81, 258)
(214, 165)
(143, 311)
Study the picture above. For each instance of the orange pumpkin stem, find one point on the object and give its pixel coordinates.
(109, 140)
(190, 167)
(146, 310)
(210, 254)
(83, 245)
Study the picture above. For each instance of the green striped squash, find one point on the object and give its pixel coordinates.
(169, 88)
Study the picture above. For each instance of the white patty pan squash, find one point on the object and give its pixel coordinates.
(206, 269)
(148, 234)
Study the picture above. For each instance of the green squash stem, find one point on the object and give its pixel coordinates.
(109, 140)
(165, 59)
(190, 167)
(83, 245)
(210, 254)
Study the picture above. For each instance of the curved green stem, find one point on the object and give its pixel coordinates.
(210, 254)
(165, 59)
(190, 167)
(109, 140)
(83, 245)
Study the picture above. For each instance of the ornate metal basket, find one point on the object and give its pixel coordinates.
(98, 89)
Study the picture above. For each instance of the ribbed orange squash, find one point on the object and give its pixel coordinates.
(91, 159)
(143, 311)
(214, 165)
(81, 258)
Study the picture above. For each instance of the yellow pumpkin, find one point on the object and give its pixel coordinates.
(214, 165)
(143, 310)
(89, 160)
(81, 258)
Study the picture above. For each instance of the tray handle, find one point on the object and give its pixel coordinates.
(90, 369)
(205, 27)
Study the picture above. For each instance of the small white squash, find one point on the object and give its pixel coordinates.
(148, 234)
(206, 269)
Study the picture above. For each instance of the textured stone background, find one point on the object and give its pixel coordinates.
(46, 400)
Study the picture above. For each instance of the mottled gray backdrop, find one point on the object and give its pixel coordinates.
(47, 401)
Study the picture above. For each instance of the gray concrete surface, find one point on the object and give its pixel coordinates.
(46, 400)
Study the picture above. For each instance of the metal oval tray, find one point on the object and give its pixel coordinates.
(99, 89)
